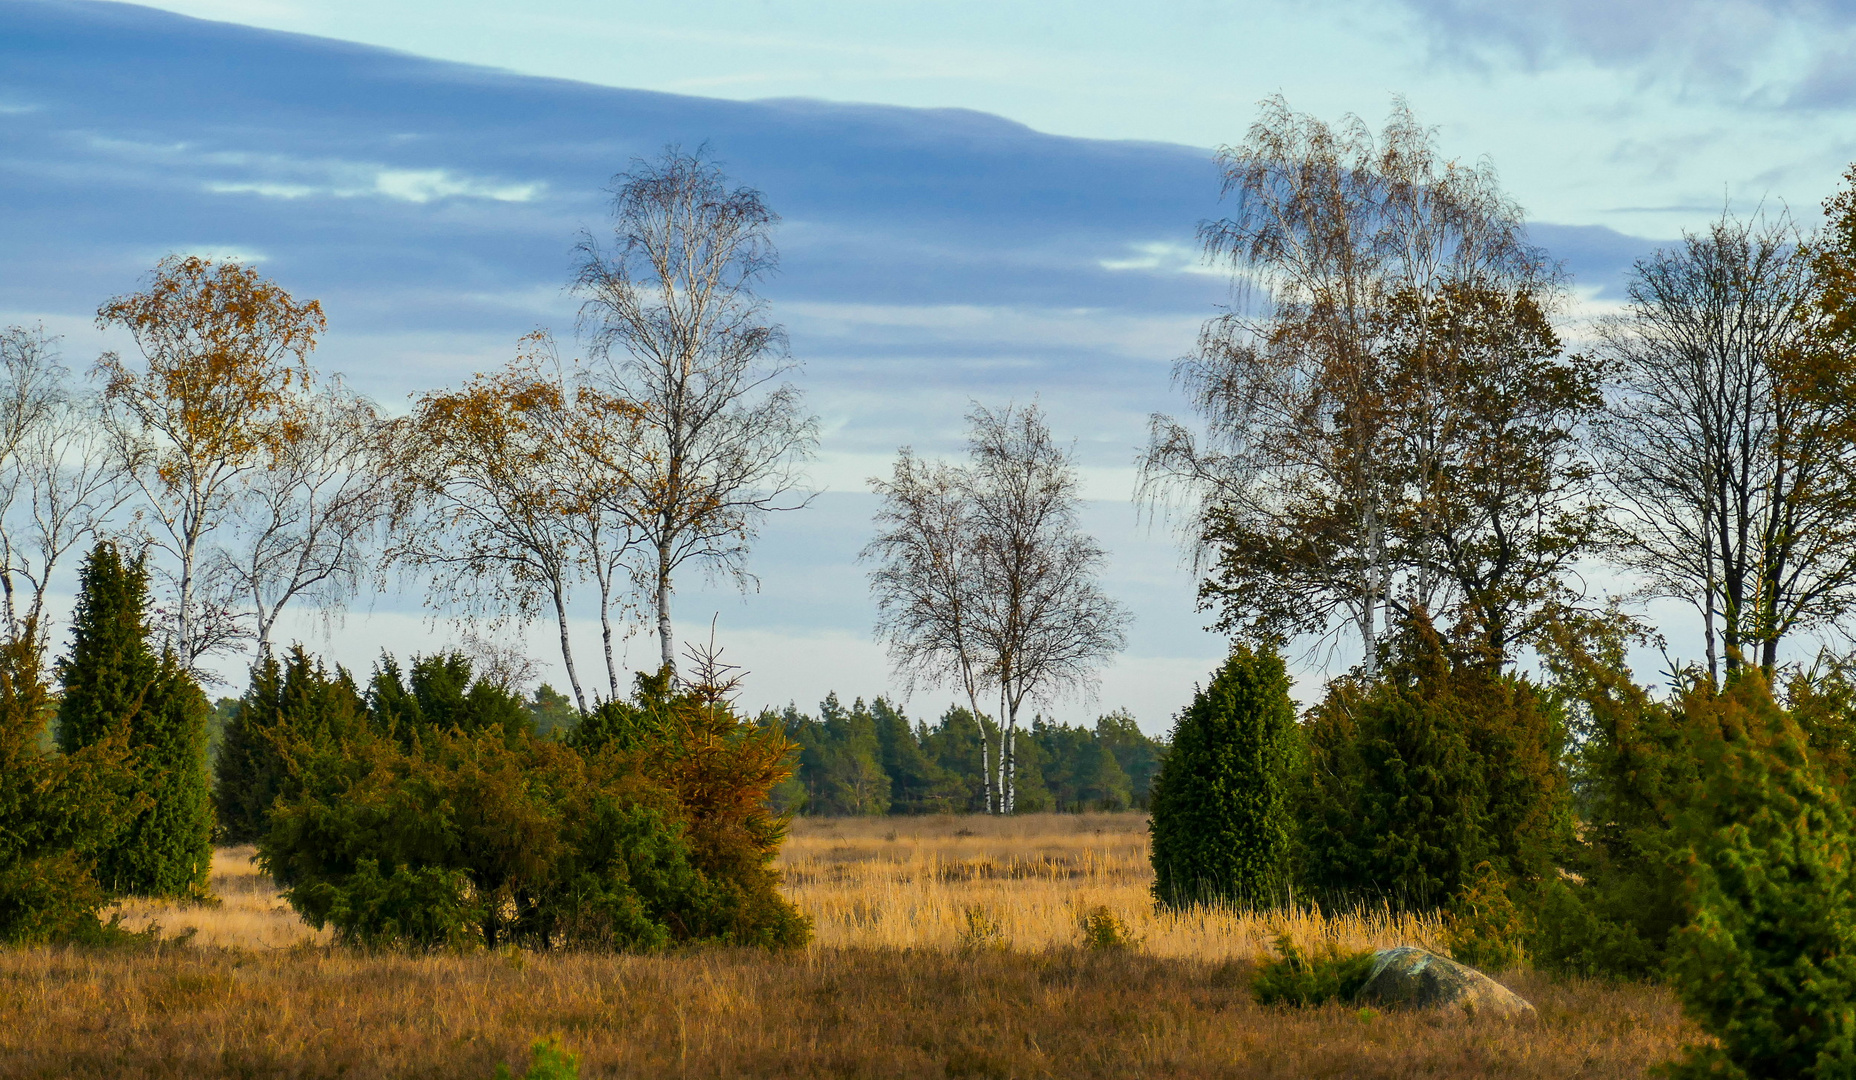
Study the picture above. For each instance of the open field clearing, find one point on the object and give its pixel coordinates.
(910, 883)
(891, 988)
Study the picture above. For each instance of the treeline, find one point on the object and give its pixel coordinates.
(872, 760)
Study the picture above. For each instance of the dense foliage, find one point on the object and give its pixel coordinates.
(59, 811)
(1767, 961)
(1417, 777)
(299, 696)
(1223, 820)
(437, 818)
(113, 683)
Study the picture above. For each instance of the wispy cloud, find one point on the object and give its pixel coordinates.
(1165, 257)
(1757, 53)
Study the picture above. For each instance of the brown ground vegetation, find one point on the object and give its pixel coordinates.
(889, 990)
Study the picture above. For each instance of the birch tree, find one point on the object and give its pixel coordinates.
(983, 575)
(58, 483)
(307, 525)
(669, 310)
(1302, 496)
(1041, 616)
(504, 497)
(201, 416)
(926, 584)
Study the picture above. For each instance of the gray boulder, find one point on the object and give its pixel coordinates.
(1412, 978)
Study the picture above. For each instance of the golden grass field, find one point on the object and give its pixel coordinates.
(893, 986)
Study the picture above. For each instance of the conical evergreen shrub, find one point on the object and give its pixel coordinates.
(1767, 962)
(1420, 775)
(1222, 816)
(114, 683)
(56, 811)
(249, 769)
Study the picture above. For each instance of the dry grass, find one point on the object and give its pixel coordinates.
(909, 883)
(886, 991)
(249, 913)
(207, 1013)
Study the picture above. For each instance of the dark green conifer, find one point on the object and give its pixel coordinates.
(1422, 774)
(249, 770)
(56, 811)
(110, 666)
(114, 683)
(440, 695)
(1767, 962)
(1222, 821)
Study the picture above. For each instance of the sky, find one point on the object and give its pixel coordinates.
(981, 202)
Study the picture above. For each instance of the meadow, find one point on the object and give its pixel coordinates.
(946, 947)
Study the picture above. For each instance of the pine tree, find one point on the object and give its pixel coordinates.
(1222, 801)
(244, 767)
(1767, 963)
(917, 785)
(113, 683)
(110, 666)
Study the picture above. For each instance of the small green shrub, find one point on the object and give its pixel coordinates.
(1295, 978)
(1104, 931)
(402, 833)
(1487, 930)
(550, 1061)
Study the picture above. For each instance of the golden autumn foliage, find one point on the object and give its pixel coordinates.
(223, 349)
(506, 492)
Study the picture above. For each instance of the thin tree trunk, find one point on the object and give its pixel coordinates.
(605, 634)
(184, 618)
(567, 649)
(12, 618)
(1005, 753)
(1011, 764)
(1707, 605)
(985, 760)
(665, 639)
(973, 703)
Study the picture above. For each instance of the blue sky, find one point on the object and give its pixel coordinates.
(981, 201)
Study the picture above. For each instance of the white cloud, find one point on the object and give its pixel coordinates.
(1164, 257)
(350, 181)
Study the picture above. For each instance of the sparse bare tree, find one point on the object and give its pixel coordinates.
(58, 482)
(983, 574)
(670, 310)
(1042, 618)
(504, 495)
(307, 525)
(925, 582)
(1729, 442)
